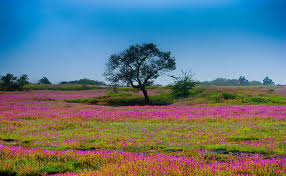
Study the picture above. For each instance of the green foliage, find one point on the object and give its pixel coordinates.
(44, 80)
(183, 84)
(113, 94)
(125, 99)
(268, 81)
(83, 100)
(139, 66)
(228, 96)
(223, 97)
(194, 92)
(159, 99)
(9, 82)
(271, 90)
(243, 81)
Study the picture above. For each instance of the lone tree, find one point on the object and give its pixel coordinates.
(243, 81)
(44, 80)
(268, 81)
(138, 66)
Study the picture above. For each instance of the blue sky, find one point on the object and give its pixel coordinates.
(72, 39)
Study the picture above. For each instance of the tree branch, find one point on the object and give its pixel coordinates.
(155, 72)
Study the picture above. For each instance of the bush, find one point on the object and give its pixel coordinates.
(161, 99)
(126, 101)
(271, 90)
(182, 85)
(228, 96)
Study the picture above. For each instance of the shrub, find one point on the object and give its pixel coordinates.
(182, 85)
(228, 96)
(126, 101)
(9, 82)
(161, 99)
(271, 90)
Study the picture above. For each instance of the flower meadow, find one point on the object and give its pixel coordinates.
(41, 134)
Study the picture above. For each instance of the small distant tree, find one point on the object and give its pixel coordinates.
(44, 80)
(183, 84)
(268, 81)
(9, 82)
(243, 81)
(138, 66)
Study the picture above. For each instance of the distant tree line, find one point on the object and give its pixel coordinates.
(241, 81)
(84, 82)
(10, 82)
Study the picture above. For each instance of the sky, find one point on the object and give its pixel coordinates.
(72, 39)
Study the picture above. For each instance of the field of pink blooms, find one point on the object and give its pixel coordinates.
(41, 134)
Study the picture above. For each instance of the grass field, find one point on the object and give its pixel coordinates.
(216, 131)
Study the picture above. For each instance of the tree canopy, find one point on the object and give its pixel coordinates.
(139, 66)
(268, 81)
(44, 80)
(243, 81)
(9, 82)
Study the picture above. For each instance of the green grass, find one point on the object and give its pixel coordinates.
(234, 96)
(125, 99)
(123, 94)
(196, 91)
(199, 95)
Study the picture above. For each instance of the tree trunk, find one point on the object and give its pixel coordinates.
(145, 95)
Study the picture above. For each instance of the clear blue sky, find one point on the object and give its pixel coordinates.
(72, 39)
